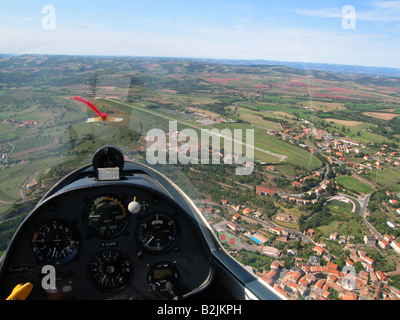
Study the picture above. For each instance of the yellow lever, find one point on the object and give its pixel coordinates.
(21, 291)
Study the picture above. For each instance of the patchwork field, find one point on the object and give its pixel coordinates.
(382, 115)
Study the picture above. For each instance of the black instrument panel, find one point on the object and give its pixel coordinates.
(100, 250)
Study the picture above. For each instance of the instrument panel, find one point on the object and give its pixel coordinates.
(101, 250)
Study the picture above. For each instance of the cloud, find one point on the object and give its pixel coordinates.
(391, 5)
(322, 13)
(382, 11)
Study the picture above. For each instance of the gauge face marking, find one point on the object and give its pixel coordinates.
(106, 216)
(55, 242)
(110, 270)
(157, 232)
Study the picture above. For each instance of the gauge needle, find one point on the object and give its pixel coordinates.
(150, 240)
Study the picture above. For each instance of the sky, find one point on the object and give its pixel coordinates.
(348, 32)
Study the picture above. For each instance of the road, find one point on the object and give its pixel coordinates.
(364, 205)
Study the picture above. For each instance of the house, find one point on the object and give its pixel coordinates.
(365, 259)
(283, 217)
(32, 185)
(275, 265)
(311, 232)
(275, 230)
(257, 214)
(264, 191)
(388, 238)
(210, 210)
(319, 251)
(236, 217)
(233, 226)
(368, 260)
(334, 236)
(383, 244)
(381, 276)
(395, 246)
(246, 211)
(350, 263)
(392, 224)
(296, 184)
(369, 241)
(332, 266)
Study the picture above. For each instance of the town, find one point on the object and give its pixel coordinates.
(317, 276)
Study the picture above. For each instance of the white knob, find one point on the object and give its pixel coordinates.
(134, 207)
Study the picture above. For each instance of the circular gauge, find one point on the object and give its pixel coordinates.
(55, 242)
(157, 232)
(106, 216)
(110, 270)
(162, 276)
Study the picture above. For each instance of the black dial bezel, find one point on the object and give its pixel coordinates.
(162, 248)
(100, 256)
(94, 230)
(57, 261)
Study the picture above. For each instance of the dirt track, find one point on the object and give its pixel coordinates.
(25, 152)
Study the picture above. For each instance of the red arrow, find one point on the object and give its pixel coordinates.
(91, 105)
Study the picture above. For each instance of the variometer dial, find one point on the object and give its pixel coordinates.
(157, 232)
(106, 216)
(55, 242)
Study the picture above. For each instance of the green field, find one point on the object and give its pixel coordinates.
(388, 178)
(17, 176)
(345, 222)
(353, 184)
(265, 141)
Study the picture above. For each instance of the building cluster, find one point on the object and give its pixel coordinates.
(312, 279)
(294, 134)
(214, 120)
(263, 191)
(341, 148)
(19, 123)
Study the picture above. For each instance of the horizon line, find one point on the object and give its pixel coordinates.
(275, 62)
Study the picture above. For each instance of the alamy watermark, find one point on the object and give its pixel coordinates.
(49, 278)
(349, 18)
(186, 147)
(349, 280)
(49, 20)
